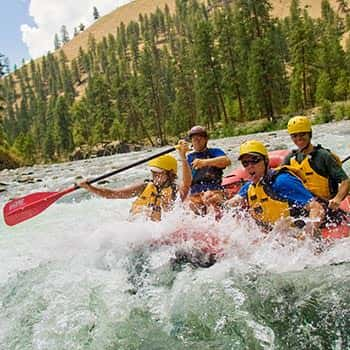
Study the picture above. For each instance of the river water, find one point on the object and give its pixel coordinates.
(81, 275)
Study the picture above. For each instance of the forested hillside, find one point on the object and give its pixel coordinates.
(216, 64)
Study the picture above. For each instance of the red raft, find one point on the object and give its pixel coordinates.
(233, 182)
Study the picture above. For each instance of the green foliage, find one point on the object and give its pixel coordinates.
(325, 115)
(341, 111)
(232, 67)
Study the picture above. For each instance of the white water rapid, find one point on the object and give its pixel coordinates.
(81, 275)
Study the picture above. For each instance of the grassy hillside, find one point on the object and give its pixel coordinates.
(149, 70)
(130, 12)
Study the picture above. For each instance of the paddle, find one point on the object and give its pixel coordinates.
(24, 208)
(345, 159)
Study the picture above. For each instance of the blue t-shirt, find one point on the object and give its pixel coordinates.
(208, 178)
(286, 186)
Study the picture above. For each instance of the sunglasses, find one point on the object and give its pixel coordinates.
(299, 134)
(251, 161)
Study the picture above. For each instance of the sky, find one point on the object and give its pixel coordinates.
(28, 27)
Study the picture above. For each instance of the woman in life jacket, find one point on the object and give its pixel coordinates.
(154, 196)
(272, 195)
(323, 171)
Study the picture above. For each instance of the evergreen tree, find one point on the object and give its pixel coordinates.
(57, 42)
(66, 78)
(63, 136)
(330, 54)
(230, 58)
(2, 97)
(82, 121)
(101, 108)
(260, 45)
(95, 13)
(208, 81)
(76, 76)
(64, 35)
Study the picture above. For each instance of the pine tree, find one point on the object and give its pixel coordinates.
(302, 44)
(62, 126)
(101, 108)
(230, 58)
(3, 65)
(82, 122)
(64, 35)
(57, 42)
(2, 97)
(330, 54)
(260, 44)
(76, 76)
(95, 13)
(208, 81)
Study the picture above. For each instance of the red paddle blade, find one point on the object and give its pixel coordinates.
(24, 208)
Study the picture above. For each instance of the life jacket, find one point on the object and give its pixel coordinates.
(266, 207)
(156, 199)
(316, 183)
(207, 175)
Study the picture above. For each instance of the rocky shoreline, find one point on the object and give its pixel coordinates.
(103, 149)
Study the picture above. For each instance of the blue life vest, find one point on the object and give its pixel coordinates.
(207, 178)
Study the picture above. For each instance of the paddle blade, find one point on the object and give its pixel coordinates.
(24, 208)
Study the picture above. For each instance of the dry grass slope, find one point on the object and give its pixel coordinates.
(109, 23)
(130, 12)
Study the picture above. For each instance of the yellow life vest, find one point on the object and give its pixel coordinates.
(314, 182)
(264, 206)
(155, 200)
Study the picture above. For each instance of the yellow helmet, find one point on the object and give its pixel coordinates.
(166, 162)
(252, 146)
(299, 124)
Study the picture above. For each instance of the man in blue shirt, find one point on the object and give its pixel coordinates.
(202, 172)
(274, 195)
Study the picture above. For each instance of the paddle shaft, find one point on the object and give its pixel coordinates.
(132, 165)
(24, 208)
(345, 159)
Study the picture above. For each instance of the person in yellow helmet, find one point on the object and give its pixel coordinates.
(271, 195)
(325, 176)
(153, 196)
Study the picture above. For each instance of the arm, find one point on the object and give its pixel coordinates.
(122, 193)
(343, 191)
(291, 188)
(236, 201)
(183, 148)
(316, 215)
(240, 199)
(336, 174)
(219, 162)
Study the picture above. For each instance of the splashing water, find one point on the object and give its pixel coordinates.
(81, 275)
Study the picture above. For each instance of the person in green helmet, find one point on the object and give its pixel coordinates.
(273, 195)
(153, 196)
(325, 177)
